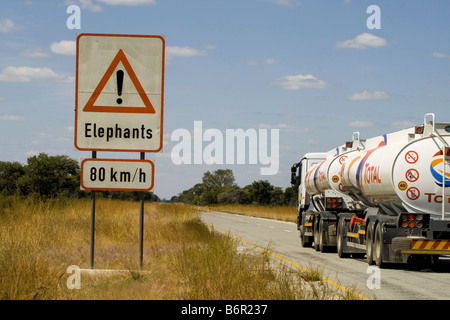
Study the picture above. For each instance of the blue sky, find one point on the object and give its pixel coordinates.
(312, 69)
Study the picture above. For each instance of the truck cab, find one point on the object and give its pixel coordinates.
(308, 209)
(298, 173)
(320, 197)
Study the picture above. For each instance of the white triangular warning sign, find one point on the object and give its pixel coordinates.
(108, 95)
(119, 85)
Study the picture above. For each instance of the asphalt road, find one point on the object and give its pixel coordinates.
(398, 282)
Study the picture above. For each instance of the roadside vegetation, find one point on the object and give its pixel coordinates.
(45, 229)
(283, 213)
(218, 192)
(48, 177)
(219, 188)
(183, 258)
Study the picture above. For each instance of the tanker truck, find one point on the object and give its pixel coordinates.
(383, 198)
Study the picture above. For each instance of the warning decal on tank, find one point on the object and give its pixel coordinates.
(412, 175)
(342, 159)
(413, 193)
(402, 185)
(411, 157)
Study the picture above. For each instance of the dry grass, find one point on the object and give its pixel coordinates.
(283, 213)
(183, 258)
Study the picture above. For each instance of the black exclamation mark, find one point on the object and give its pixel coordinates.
(119, 75)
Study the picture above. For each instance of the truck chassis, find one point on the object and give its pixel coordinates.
(382, 238)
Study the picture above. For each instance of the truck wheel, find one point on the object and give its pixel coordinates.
(340, 239)
(369, 244)
(305, 240)
(434, 260)
(322, 247)
(378, 246)
(316, 233)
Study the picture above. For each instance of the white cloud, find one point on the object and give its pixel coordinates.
(31, 153)
(402, 124)
(176, 51)
(360, 124)
(283, 127)
(64, 47)
(440, 55)
(254, 63)
(26, 74)
(365, 95)
(286, 3)
(363, 41)
(7, 25)
(11, 118)
(128, 2)
(85, 4)
(270, 61)
(300, 82)
(35, 53)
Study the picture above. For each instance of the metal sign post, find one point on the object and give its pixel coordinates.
(92, 240)
(141, 223)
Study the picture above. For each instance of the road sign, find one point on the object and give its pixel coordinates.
(119, 92)
(117, 175)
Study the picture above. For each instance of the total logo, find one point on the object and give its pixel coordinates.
(436, 168)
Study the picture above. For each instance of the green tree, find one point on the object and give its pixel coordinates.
(276, 196)
(208, 197)
(191, 195)
(290, 196)
(261, 192)
(10, 172)
(50, 176)
(234, 196)
(213, 184)
(221, 178)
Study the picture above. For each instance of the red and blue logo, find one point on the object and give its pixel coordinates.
(359, 171)
(437, 166)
